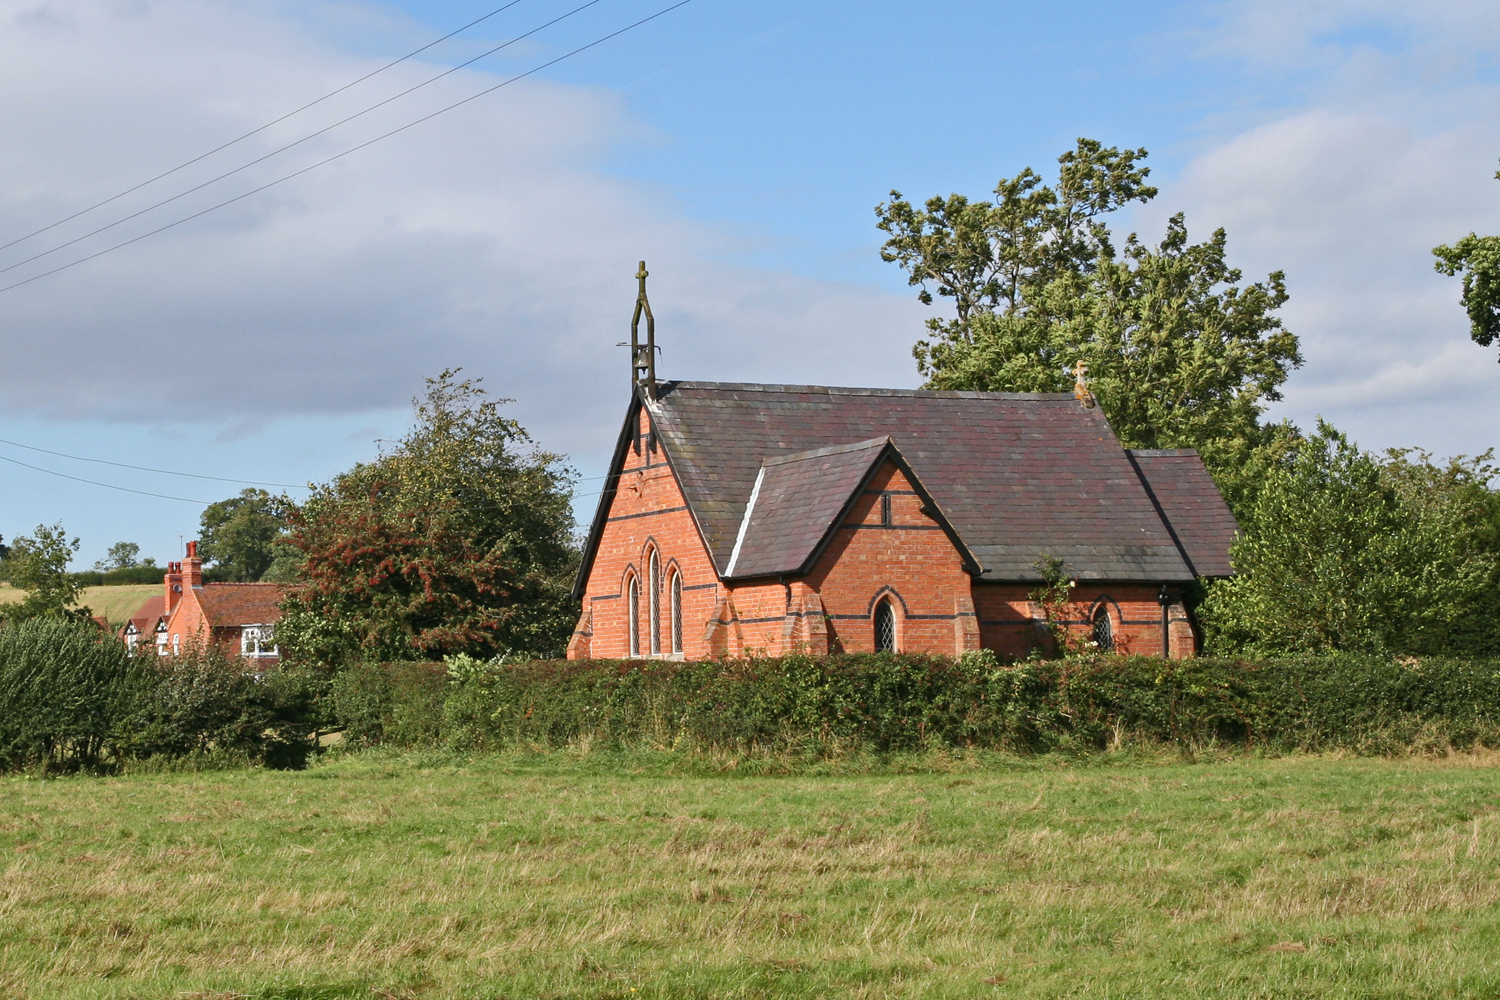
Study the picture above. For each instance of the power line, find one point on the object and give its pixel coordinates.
(142, 468)
(505, 83)
(203, 503)
(108, 486)
(297, 142)
(277, 121)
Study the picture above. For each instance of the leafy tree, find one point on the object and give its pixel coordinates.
(39, 565)
(121, 555)
(1178, 352)
(238, 536)
(1344, 551)
(456, 541)
(1477, 258)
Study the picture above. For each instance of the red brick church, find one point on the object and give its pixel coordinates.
(768, 519)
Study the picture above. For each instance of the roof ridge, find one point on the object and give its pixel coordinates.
(1162, 452)
(667, 386)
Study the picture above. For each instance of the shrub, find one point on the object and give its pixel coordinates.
(205, 702)
(64, 687)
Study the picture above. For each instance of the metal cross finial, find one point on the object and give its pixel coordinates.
(643, 356)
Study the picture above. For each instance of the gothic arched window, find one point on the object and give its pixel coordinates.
(633, 611)
(653, 581)
(1104, 632)
(885, 627)
(676, 612)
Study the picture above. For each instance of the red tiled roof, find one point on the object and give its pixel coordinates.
(227, 605)
(146, 615)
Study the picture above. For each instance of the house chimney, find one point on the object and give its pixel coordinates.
(173, 583)
(192, 568)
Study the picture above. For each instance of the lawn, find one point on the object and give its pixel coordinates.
(115, 603)
(582, 877)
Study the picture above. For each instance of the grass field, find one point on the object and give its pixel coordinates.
(574, 877)
(115, 603)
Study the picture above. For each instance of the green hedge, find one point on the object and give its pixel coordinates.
(72, 699)
(890, 703)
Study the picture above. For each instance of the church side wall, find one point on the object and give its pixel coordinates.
(1008, 618)
(648, 510)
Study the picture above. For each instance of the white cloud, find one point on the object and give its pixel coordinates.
(489, 237)
(1391, 153)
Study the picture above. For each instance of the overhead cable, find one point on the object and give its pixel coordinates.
(354, 149)
(297, 142)
(256, 131)
(108, 486)
(142, 468)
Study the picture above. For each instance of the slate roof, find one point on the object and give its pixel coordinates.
(1013, 476)
(1191, 505)
(227, 605)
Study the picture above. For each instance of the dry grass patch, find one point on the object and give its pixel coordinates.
(1254, 878)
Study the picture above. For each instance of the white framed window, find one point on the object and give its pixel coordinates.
(258, 641)
(176, 643)
(161, 639)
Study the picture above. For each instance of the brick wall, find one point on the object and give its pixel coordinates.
(909, 561)
(1011, 624)
(648, 512)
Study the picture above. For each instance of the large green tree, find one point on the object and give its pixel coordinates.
(1179, 353)
(238, 536)
(458, 540)
(1477, 258)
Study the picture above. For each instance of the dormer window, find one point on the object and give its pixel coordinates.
(258, 641)
(161, 638)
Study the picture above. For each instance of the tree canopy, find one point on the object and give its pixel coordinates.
(458, 540)
(238, 536)
(1477, 258)
(38, 564)
(1342, 550)
(1178, 352)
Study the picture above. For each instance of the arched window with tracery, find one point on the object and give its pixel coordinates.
(633, 613)
(1104, 630)
(676, 612)
(653, 581)
(885, 627)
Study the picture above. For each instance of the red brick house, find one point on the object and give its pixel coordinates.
(240, 618)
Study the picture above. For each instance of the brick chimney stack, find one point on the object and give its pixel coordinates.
(192, 568)
(173, 583)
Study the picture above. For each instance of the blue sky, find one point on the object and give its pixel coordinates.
(740, 147)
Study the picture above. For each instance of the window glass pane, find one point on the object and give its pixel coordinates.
(676, 612)
(885, 628)
(654, 582)
(634, 603)
(1104, 636)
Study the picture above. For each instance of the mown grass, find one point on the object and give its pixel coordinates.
(116, 603)
(589, 875)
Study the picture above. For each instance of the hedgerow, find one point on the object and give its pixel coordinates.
(890, 703)
(71, 699)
